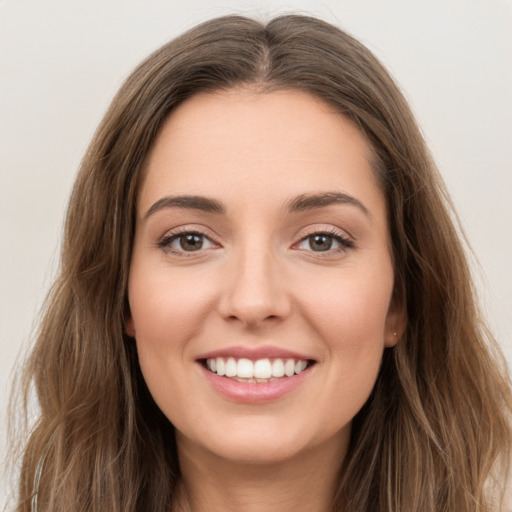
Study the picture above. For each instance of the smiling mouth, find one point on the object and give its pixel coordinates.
(257, 371)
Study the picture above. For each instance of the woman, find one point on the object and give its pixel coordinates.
(263, 303)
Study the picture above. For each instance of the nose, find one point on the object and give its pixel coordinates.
(254, 290)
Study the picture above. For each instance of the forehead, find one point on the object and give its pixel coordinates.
(240, 141)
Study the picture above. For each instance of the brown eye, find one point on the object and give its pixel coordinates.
(324, 242)
(191, 242)
(320, 242)
(186, 242)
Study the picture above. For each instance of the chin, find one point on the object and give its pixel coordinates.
(262, 441)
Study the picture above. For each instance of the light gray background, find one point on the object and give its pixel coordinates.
(62, 61)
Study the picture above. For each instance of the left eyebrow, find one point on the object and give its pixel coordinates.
(201, 203)
(323, 199)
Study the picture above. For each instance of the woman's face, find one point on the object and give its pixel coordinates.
(261, 279)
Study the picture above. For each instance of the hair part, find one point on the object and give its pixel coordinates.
(435, 427)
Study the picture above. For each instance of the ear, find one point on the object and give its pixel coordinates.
(396, 321)
(130, 326)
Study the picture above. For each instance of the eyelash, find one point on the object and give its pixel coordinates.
(345, 242)
(166, 241)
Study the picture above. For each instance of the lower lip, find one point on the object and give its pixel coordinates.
(254, 392)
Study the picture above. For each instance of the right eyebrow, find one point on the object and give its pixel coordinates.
(324, 199)
(201, 203)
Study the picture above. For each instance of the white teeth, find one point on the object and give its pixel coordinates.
(289, 368)
(278, 368)
(245, 368)
(220, 366)
(231, 367)
(261, 370)
(300, 366)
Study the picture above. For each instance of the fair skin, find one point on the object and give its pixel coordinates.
(262, 235)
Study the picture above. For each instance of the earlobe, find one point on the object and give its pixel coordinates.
(396, 322)
(392, 340)
(130, 327)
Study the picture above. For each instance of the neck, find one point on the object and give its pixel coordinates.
(212, 484)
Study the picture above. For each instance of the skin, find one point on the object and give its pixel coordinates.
(257, 282)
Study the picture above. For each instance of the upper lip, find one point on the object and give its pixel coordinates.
(255, 353)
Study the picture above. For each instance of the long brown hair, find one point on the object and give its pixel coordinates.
(435, 427)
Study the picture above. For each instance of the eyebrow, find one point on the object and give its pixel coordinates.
(204, 204)
(299, 203)
(323, 199)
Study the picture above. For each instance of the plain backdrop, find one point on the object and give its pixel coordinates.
(62, 61)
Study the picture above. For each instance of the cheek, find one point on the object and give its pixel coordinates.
(167, 312)
(349, 313)
(355, 305)
(166, 307)
(351, 319)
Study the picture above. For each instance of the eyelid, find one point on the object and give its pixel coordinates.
(173, 234)
(344, 239)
